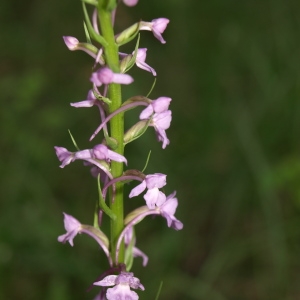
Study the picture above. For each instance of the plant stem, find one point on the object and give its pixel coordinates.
(116, 127)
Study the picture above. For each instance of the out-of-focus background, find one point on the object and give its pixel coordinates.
(232, 70)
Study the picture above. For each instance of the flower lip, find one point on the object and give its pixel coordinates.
(140, 61)
(168, 210)
(122, 284)
(64, 156)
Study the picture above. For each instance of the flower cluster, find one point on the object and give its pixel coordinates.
(107, 156)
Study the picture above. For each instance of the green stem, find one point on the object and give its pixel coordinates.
(116, 126)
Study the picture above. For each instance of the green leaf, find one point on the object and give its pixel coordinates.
(147, 161)
(73, 140)
(131, 62)
(102, 203)
(152, 87)
(93, 34)
(159, 290)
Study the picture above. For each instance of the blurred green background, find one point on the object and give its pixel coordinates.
(232, 70)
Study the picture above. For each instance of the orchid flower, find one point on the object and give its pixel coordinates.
(74, 227)
(89, 102)
(122, 284)
(161, 119)
(107, 76)
(157, 26)
(153, 183)
(73, 44)
(99, 152)
(140, 60)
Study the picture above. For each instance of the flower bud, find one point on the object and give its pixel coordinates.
(136, 131)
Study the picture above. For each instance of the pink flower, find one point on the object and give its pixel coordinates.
(168, 209)
(71, 42)
(159, 105)
(140, 60)
(107, 76)
(153, 196)
(161, 122)
(89, 102)
(100, 152)
(161, 118)
(157, 26)
(122, 284)
(72, 227)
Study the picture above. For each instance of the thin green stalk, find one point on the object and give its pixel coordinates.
(116, 126)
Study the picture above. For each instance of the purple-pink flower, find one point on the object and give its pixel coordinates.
(122, 284)
(168, 209)
(89, 102)
(159, 105)
(100, 152)
(157, 26)
(140, 60)
(71, 42)
(161, 118)
(153, 196)
(107, 76)
(64, 156)
(161, 122)
(72, 226)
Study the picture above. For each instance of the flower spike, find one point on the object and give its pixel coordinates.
(109, 72)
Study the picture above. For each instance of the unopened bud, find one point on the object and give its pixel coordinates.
(136, 131)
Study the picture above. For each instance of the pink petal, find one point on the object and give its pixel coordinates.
(138, 189)
(107, 281)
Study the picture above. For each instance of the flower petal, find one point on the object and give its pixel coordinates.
(147, 112)
(71, 42)
(107, 281)
(156, 180)
(154, 197)
(121, 292)
(161, 104)
(64, 156)
(116, 157)
(138, 189)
